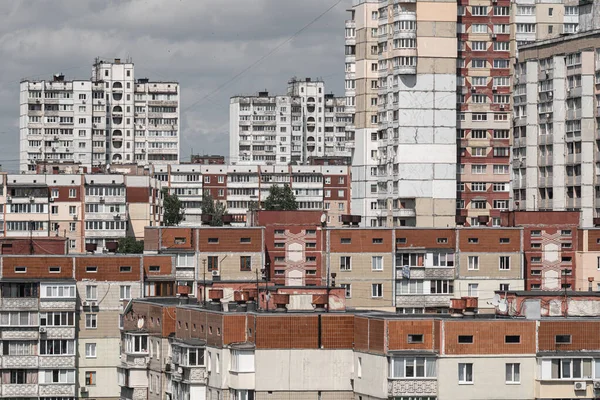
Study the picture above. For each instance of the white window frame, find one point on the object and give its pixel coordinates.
(464, 370)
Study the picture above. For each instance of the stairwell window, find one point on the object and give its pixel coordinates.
(465, 373)
(473, 263)
(376, 290)
(513, 373)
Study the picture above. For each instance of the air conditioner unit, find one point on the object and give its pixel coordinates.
(117, 216)
(55, 138)
(51, 200)
(85, 304)
(215, 273)
(550, 94)
(37, 101)
(548, 115)
(8, 199)
(494, 88)
(42, 329)
(82, 101)
(84, 389)
(494, 36)
(596, 384)
(180, 370)
(31, 198)
(579, 385)
(95, 125)
(502, 106)
(93, 304)
(74, 217)
(101, 199)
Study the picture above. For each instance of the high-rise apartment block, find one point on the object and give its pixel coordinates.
(291, 128)
(108, 119)
(555, 155)
(412, 104)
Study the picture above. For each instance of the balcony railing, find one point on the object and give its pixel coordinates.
(19, 303)
(19, 390)
(57, 361)
(57, 390)
(135, 361)
(19, 361)
(423, 300)
(412, 388)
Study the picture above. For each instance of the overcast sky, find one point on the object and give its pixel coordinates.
(200, 43)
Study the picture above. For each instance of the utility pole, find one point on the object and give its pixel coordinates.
(204, 282)
(257, 291)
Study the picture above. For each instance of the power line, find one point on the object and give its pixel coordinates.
(239, 74)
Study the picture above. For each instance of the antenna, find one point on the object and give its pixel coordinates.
(502, 305)
(496, 300)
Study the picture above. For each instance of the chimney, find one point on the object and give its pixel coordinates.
(319, 301)
(252, 296)
(215, 296)
(281, 301)
(471, 304)
(117, 61)
(456, 307)
(241, 298)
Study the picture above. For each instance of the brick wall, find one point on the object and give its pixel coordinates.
(287, 331)
(398, 332)
(37, 267)
(489, 337)
(585, 335)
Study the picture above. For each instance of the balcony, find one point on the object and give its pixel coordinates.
(55, 332)
(573, 158)
(57, 362)
(19, 361)
(404, 212)
(19, 333)
(19, 304)
(57, 390)
(184, 274)
(135, 361)
(423, 300)
(428, 273)
(107, 216)
(51, 305)
(19, 390)
(412, 387)
(134, 393)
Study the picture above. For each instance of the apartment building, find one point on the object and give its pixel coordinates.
(361, 83)
(87, 209)
(60, 318)
(108, 119)
(215, 353)
(325, 188)
(554, 160)
(288, 129)
(414, 86)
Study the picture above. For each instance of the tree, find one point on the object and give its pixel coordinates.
(216, 209)
(128, 245)
(173, 211)
(281, 198)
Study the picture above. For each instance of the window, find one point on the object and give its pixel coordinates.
(505, 287)
(125, 268)
(91, 321)
(345, 263)
(72, 210)
(377, 290)
(513, 373)
(57, 376)
(473, 289)
(473, 240)
(345, 240)
(412, 338)
(245, 240)
(412, 367)
(465, 373)
(20, 270)
(125, 292)
(91, 292)
(409, 286)
(136, 344)
(242, 360)
(90, 350)
(479, 10)
(377, 263)
(479, 28)
(90, 378)
(348, 289)
(465, 339)
(72, 193)
(377, 240)
(567, 368)
(213, 240)
(91, 270)
(512, 339)
(504, 263)
(442, 286)
(563, 339)
(54, 270)
(479, 46)
(245, 263)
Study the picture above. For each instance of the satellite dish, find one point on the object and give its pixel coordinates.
(496, 300)
(140, 323)
(323, 218)
(502, 306)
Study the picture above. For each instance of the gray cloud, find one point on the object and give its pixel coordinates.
(200, 43)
